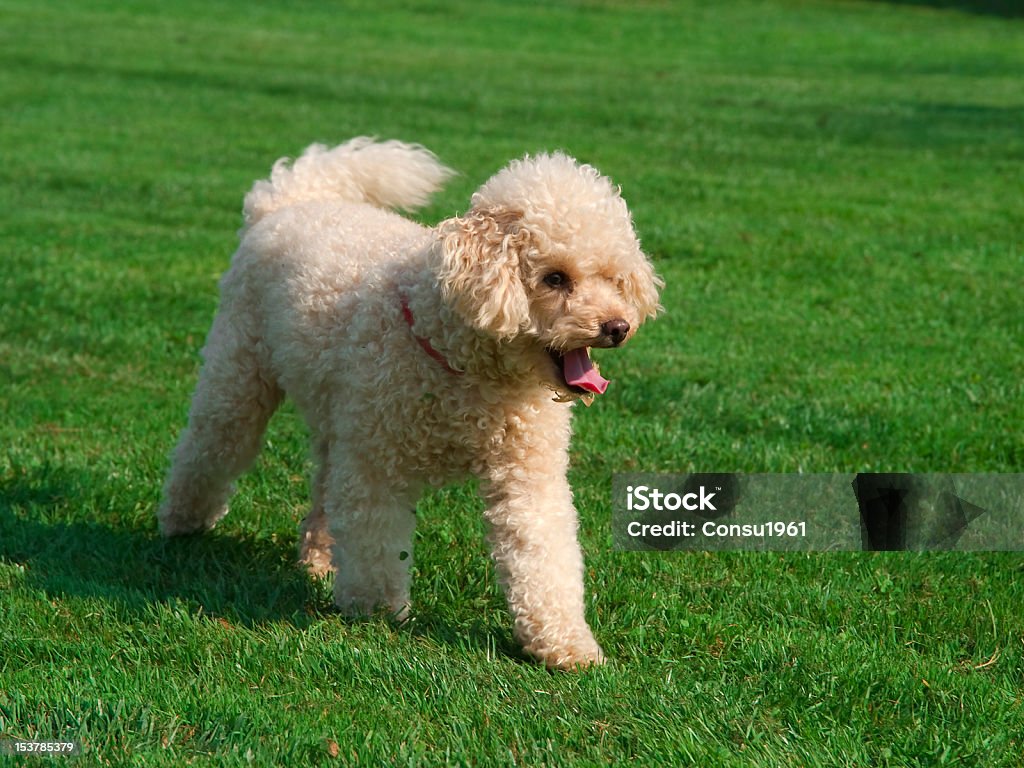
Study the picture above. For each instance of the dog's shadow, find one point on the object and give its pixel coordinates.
(246, 580)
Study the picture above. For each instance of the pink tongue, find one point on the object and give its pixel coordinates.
(580, 372)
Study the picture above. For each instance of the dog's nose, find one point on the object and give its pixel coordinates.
(615, 330)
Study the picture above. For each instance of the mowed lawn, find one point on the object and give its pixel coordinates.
(832, 192)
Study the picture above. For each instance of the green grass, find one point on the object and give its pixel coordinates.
(832, 193)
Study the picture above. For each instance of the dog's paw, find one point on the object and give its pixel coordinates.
(317, 560)
(577, 653)
(396, 609)
(174, 522)
(316, 543)
(577, 658)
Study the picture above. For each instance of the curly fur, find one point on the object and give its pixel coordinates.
(312, 308)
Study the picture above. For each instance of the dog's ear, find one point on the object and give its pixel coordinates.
(641, 287)
(480, 270)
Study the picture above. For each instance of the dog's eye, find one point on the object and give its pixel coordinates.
(557, 280)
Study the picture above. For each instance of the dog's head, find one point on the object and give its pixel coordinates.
(547, 258)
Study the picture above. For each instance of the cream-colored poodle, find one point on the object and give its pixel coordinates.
(419, 356)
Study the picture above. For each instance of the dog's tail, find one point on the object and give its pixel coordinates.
(386, 174)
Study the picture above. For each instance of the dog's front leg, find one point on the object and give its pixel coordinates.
(533, 539)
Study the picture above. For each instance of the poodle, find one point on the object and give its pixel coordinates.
(420, 356)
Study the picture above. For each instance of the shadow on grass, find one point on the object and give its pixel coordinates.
(244, 579)
(1005, 8)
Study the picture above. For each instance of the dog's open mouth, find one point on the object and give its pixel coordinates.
(579, 371)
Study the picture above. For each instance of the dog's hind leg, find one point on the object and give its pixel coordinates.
(233, 402)
(315, 541)
(372, 520)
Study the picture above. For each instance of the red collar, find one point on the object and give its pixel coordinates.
(425, 343)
